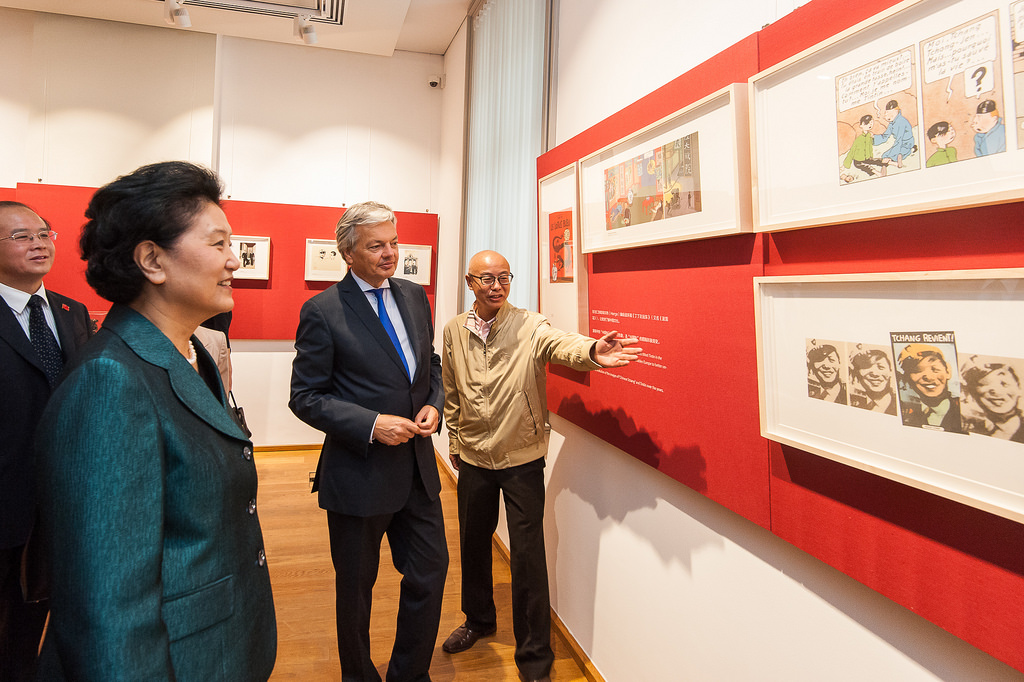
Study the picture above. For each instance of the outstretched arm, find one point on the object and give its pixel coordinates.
(611, 351)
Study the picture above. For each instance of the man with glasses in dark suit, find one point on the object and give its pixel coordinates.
(39, 332)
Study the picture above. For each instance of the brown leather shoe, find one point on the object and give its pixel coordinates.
(463, 638)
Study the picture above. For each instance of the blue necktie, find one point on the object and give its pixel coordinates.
(382, 312)
(43, 340)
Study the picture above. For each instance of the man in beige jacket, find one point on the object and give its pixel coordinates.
(493, 368)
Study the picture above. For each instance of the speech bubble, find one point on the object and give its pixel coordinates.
(879, 79)
(955, 52)
(977, 80)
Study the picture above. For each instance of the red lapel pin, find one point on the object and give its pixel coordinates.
(64, 306)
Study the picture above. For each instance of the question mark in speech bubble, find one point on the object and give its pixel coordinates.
(977, 77)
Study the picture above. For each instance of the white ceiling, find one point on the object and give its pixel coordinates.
(376, 27)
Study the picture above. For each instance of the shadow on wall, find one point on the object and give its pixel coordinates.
(613, 487)
(685, 464)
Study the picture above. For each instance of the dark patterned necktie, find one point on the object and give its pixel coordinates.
(43, 340)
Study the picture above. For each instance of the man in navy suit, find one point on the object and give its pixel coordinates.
(30, 371)
(366, 374)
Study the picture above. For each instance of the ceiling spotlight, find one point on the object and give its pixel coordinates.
(302, 28)
(175, 14)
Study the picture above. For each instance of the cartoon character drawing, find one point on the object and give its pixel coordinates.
(990, 132)
(941, 134)
(900, 129)
(861, 154)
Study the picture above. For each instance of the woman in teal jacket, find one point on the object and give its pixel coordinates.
(148, 485)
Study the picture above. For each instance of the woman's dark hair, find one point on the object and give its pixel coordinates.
(155, 203)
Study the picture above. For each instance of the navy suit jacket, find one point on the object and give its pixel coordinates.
(23, 395)
(346, 372)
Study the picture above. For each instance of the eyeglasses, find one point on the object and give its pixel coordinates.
(488, 280)
(24, 237)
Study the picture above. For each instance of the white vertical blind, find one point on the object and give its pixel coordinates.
(505, 137)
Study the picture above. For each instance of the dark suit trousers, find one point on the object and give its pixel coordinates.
(523, 490)
(420, 553)
(21, 623)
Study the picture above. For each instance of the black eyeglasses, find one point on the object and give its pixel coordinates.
(24, 237)
(488, 280)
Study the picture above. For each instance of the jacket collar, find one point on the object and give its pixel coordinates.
(12, 331)
(503, 312)
(150, 344)
(356, 299)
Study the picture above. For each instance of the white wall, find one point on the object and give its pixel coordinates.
(90, 100)
(655, 581)
(328, 128)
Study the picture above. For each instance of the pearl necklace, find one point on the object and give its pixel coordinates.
(191, 353)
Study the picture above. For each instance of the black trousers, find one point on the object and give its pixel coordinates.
(420, 553)
(21, 622)
(523, 490)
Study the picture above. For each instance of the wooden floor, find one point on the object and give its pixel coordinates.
(295, 532)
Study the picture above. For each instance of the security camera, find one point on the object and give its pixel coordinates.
(436, 81)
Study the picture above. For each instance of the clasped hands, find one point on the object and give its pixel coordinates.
(391, 429)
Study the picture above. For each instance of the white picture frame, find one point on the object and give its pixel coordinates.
(797, 120)
(985, 309)
(414, 263)
(563, 300)
(253, 254)
(324, 262)
(708, 192)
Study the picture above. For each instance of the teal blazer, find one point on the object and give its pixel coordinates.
(148, 505)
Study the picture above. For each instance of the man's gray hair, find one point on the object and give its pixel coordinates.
(357, 215)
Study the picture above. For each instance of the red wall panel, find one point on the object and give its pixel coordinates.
(703, 430)
(263, 309)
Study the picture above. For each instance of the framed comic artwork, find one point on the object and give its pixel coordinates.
(684, 177)
(414, 263)
(323, 261)
(562, 276)
(915, 110)
(913, 376)
(254, 255)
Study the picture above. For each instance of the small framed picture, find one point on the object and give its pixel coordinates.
(414, 263)
(324, 262)
(254, 255)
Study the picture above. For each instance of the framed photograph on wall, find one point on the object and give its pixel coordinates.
(913, 376)
(414, 263)
(323, 261)
(909, 112)
(684, 177)
(254, 255)
(563, 277)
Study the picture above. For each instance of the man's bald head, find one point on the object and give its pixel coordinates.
(485, 260)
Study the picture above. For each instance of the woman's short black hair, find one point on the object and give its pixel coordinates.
(155, 203)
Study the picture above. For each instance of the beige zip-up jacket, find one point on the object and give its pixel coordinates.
(495, 403)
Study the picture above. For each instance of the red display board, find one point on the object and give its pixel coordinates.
(697, 421)
(264, 309)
